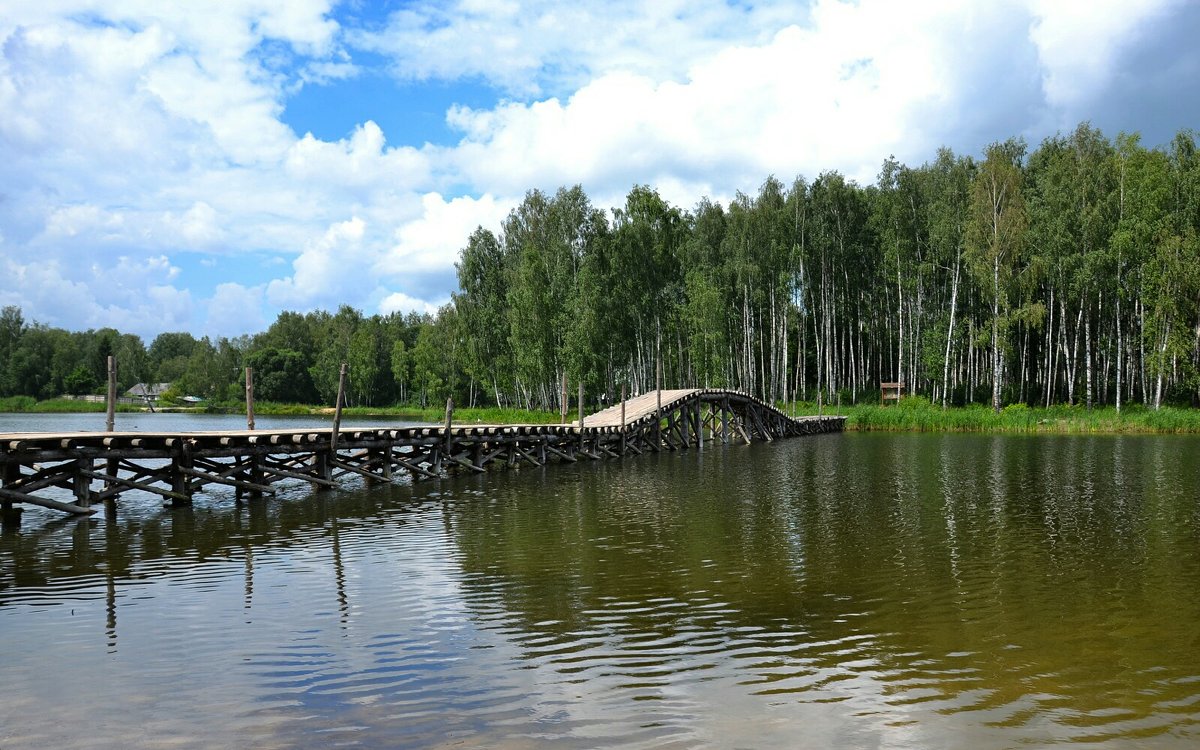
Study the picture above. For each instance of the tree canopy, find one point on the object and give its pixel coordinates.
(1069, 273)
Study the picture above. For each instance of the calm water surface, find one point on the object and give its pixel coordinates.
(855, 591)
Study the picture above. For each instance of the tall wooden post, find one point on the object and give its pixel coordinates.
(622, 419)
(337, 410)
(111, 420)
(250, 398)
(658, 410)
(449, 419)
(579, 404)
(562, 404)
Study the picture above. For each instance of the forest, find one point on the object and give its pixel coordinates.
(1066, 274)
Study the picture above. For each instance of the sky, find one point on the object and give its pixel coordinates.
(201, 166)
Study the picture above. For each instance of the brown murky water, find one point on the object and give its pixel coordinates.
(900, 591)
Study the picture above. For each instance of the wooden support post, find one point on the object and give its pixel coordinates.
(337, 410)
(446, 432)
(81, 482)
(181, 485)
(110, 422)
(562, 404)
(256, 475)
(658, 410)
(385, 455)
(699, 424)
(10, 515)
(579, 404)
(623, 436)
(322, 468)
(249, 398)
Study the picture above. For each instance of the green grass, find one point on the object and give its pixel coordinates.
(27, 404)
(917, 414)
(912, 414)
(407, 413)
(466, 414)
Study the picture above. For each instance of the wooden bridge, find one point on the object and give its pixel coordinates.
(97, 467)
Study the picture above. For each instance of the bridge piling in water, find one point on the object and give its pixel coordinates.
(175, 466)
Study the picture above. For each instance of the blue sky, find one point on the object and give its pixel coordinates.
(201, 166)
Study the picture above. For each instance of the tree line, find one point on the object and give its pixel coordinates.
(1069, 273)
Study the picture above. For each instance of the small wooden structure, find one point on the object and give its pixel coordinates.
(890, 392)
(98, 466)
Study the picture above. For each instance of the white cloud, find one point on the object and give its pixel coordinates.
(402, 303)
(362, 160)
(432, 241)
(1077, 41)
(133, 130)
(331, 269)
(235, 309)
(862, 82)
(529, 47)
(132, 297)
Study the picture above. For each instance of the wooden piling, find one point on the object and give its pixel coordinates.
(110, 422)
(337, 409)
(623, 435)
(250, 398)
(562, 404)
(658, 411)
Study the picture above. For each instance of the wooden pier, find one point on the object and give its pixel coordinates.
(97, 467)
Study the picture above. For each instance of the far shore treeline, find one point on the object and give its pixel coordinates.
(1065, 274)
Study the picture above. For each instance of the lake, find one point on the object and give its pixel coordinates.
(846, 591)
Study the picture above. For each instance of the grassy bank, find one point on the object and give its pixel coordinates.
(490, 415)
(916, 414)
(29, 405)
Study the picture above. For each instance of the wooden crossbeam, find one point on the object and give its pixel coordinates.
(298, 475)
(345, 467)
(210, 478)
(131, 484)
(21, 497)
(413, 467)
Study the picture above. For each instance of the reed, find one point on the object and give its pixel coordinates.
(917, 414)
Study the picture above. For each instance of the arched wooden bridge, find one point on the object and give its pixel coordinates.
(99, 466)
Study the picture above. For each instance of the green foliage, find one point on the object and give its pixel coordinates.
(79, 381)
(1070, 273)
(281, 375)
